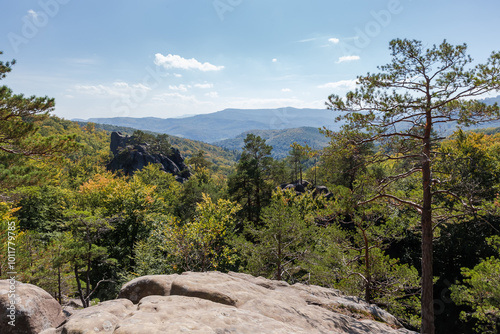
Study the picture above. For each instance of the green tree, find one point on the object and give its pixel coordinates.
(401, 106)
(481, 291)
(42, 209)
(130, 206)
(167, 188)
(472, 167)
(201, 182)
(19, 119)
(342, 161)
(286, 238)
(202, 243)
(351, 256)
(199, 160)
(298, 154)
(82, 251)
(249, 184)
(158, 144)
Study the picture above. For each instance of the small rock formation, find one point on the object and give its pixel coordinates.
(34, 309)
(129, 157)
(301, 187)
(214, 302)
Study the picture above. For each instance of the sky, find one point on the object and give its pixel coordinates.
(173, 58)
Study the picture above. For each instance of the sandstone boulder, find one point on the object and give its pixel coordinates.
(214, 302)
(35, 309)
(144, 286)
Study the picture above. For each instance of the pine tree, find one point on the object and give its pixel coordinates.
(401, 108)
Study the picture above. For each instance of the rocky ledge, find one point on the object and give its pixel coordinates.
(214, 302)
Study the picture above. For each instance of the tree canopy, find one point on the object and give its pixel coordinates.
(19, 117)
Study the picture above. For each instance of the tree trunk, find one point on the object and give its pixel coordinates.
(427, 301)
(59, 285)
(87, 274)
(79, 287)
(278, 269)
(368, 276)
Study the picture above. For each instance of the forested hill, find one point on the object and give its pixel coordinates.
(280, 140)
(228, 123)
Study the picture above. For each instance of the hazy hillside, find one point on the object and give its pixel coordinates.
(280, 140)
(228, 123)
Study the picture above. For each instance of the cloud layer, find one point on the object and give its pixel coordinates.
(176, 61)
(347, 58)
(345, 84)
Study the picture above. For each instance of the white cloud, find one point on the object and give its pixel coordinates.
(286, 90)
(32, 14)
(117, 89)
(275, 60)
(168, 97)
(347, 58)
(212, 94)
(121, 84)
(306, 40)
(344, 84)
(177, 75)
(181, 87)
(204, 86)
(176, 61)
(334, 40)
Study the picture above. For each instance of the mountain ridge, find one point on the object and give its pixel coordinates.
(228, 123)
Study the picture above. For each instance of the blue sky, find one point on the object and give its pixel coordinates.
(165, 58)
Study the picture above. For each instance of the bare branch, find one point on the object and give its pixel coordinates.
(397, 199)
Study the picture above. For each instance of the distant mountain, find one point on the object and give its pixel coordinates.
(280, 140)
(228, 123)
(491, 100)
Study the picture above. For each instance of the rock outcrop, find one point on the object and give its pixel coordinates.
(228, 303)
(130, 156)
(26, 308)
(301, 187)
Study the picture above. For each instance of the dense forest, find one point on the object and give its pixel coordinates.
(348, 216)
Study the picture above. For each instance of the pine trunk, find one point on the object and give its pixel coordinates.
(427, 302)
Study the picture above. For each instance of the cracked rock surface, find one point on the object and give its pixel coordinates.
(217, 303)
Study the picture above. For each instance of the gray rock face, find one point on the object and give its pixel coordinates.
(35, 309)
(301, 187)
(129, 158)
(228, 303)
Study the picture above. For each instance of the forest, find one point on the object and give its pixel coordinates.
(387, 205)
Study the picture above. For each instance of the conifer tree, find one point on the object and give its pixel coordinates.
(18, 122)
(402, 108)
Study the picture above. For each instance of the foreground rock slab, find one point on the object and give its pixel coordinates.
(26, 308)
(216, 303)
